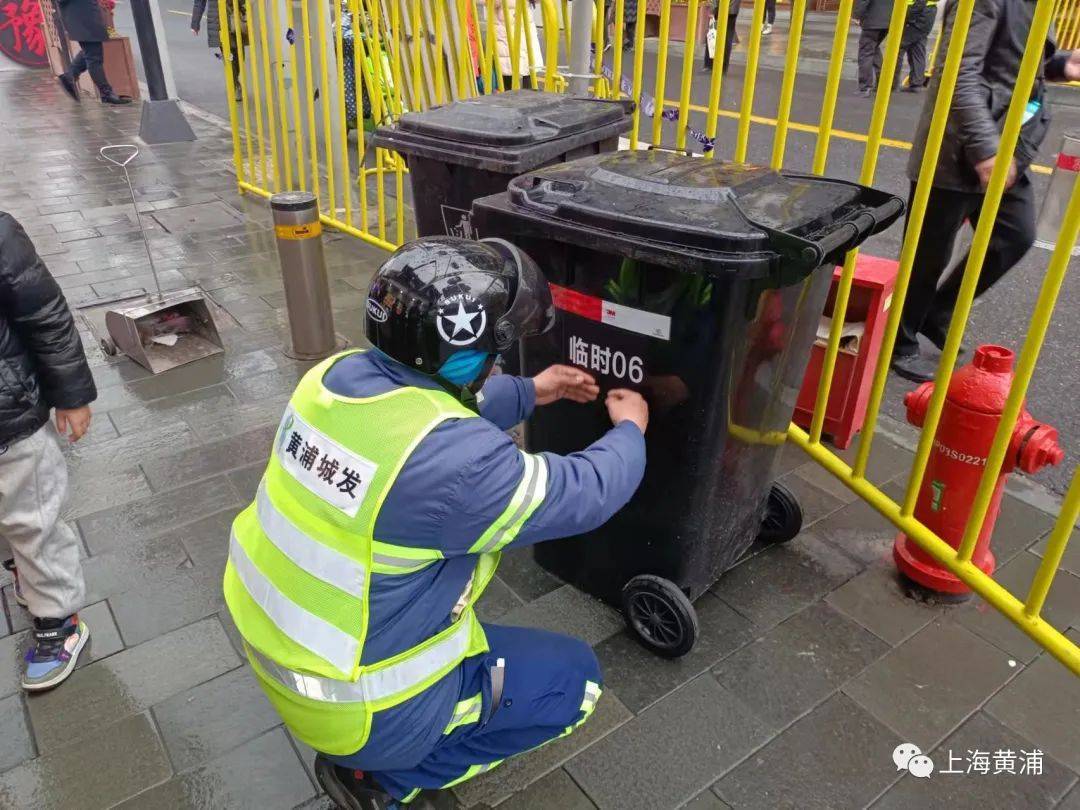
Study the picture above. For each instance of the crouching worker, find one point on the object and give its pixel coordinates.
(391, 489)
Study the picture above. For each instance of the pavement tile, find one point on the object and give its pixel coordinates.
(782, 580)
(207, 460)
(104, 636)
(798, 663)
(151, 609)
(16, 743)
(130, 682)
(570, 611)
(524, 575)
(140, 520)
(497, 601)
(519, 772)
(1072, 801)
(120, 453)
(860, 531)
(814, 501)
(556, 789)
(127, 757)
(640, 678)
(246, 480)
(1019, 524)
(838, 756)
(170, 409)
(207, 540)
(670, 752)
(92, 493)
(824, 480)
(210, 719)
(263, 774)
(1043, 704)
(925, 687)
(975, 789)
(706, 800)
(888, 460)
(125, 567)
(1070, 560)
(878, 601)
(1062, 608)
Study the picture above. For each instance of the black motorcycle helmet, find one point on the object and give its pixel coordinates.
(441, 294)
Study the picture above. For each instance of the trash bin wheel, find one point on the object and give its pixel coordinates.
(660, 614)
(108, 346)
(783, 516)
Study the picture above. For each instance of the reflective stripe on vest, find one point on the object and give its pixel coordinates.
(303, 627)
(530, 493)
(379, 683)
(317, 559)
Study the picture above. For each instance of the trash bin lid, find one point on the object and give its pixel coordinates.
(514, 118)
(508, 133)
(742, 217)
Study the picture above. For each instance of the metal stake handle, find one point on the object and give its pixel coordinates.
(104, 152)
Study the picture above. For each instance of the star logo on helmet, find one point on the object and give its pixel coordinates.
(461, 320)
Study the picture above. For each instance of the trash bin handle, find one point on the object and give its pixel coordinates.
(862, 224)
(105, 150)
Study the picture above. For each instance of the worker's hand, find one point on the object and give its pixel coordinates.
(195, 31)
(73, 422)
(985, 168)
(1072, 67)
(564, 382)
(624, 405)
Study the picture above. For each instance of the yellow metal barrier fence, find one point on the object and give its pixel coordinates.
(314, 94)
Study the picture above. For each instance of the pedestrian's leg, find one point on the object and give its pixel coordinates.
(1012, 237)
(867, 51)
(917, 63)
(945, 214)
(78, 66)
(770, 12)
(729, 42)
(552, 683)
(95, 66)
(33, 488)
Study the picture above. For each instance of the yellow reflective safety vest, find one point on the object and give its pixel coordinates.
(302, 555)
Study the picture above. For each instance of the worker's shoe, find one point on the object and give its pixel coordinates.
(55, 651)
(68, 83)
(112, 98)
(349, 789)
(915, 367)
(16, 588)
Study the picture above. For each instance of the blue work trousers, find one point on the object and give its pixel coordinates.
(551, 685)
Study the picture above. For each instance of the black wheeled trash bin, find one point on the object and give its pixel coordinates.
(472, 148)
(700, 284)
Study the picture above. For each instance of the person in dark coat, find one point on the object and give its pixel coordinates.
(42, 367)
(729, 38)
(921, 15)
(988, 72)
(85, 24)
(873, 19)
(213, 30)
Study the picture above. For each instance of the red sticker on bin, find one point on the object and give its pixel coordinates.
(611, 314)
(1070, 163)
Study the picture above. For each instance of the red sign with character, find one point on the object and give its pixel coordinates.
(22, 37)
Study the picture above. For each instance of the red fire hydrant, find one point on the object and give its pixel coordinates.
(972, 411)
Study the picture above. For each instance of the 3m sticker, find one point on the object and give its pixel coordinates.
(609, 313)
(325, 468)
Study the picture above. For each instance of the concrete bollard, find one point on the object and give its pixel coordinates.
(303, 270)
(1062, 181)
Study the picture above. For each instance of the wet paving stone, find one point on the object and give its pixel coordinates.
(127, 566)
(208, 460)
(171, 410)
(782, 580)
(838, 756)
(994, 788)
(640, 678)
(140, 520)
(1070, 561)
(943, 673)
(16, 744)
(496, 602)
(212, 718)
(130, 682)
(524, 575)
(569, 611)
(878, 600)
(149, 610)
(127, 757)
(556, 789)
(798, 663)
(815, 501)
(207, 540)
(672, 751)
(263, 774)
(92, 493)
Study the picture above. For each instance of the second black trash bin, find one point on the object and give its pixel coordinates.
(471, 148)
(700, 284)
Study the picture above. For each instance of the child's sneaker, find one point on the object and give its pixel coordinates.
(56, 648)
(17, 589)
